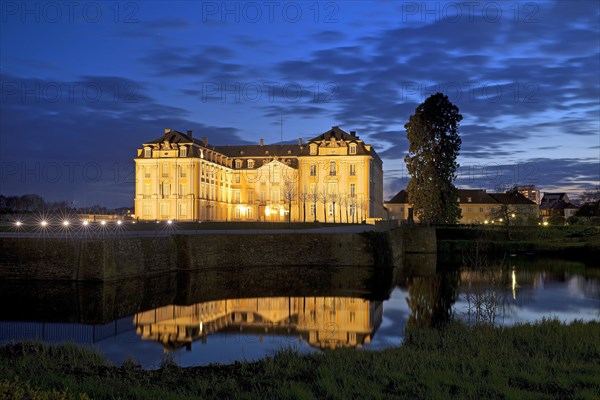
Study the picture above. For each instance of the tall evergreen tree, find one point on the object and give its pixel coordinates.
(434, 143)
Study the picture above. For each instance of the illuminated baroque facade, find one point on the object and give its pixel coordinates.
(335, 177)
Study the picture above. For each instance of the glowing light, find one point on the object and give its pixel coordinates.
(267, 211)
(512, 215)
(65, 223)
(500, 220)
(169, 222)
(486, 222)
(545, 223)
(18, 223)
(44, 223)
(514, 285)
(119, 222)
(85, 223)
(102, 222)
(281, 211)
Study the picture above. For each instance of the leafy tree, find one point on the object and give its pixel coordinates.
(434, 143)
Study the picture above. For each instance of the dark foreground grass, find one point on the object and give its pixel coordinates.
(548, 360)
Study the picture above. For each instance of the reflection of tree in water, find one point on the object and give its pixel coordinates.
(431, 298)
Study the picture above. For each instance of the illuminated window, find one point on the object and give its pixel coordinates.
(165, 170)
(352, 148)
(183, 209)
(250, 213)
(183, 151)
(352, 189)
(313, 170)
(250, 196)
(352, 169)
(313, 149)
(147, 190)
(164, 210)
(312, 210)
(166, 189)
(238, 163)
(250, 163)
(236, 196)
(147, 208)
(237, 213)
(332, 169)
(237, 177)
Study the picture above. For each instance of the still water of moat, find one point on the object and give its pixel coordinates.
(234, 314)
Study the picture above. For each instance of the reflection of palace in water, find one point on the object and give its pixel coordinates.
(324, 322)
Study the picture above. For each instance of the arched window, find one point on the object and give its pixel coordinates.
(332, 169)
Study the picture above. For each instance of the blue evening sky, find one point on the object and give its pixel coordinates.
(83, 84)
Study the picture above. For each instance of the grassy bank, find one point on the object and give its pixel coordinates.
(569, 241)
(541, 361)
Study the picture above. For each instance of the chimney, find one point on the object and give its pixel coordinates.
(205, 140)
(299, 141)
(167, 130)
(262, 142)
(335, 127)
(353, 133)
(190, 134)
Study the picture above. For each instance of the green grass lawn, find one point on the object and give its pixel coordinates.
(547, 360)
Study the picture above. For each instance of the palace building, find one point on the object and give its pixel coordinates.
(335, 177)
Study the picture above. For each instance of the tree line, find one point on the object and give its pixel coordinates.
(34, 203)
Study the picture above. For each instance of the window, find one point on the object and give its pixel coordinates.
(352, 209)
(147, 152)
(237, 177)
(480, 209)
(313, 149)
(183, 189)
(352, 169)
(147, 208)
(236, 196)
(147, 172)
(238, 163)
(237, 213)
(250, 213)
(166, 189)
(182, 172)
(313, 170)
(469, 199)
(313, 188)
(183, 151)
(250, 196)
(183, 209)
(332, 169)
(276, 177)
(275, 197)
(312, 210)
(352, 189)
(250, 163)
(165, 170)
(469, 209)
(147, 190)
(352, 148)
(164, 210)
(352, 316)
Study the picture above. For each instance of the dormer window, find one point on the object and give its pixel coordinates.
(313, 149)
(469, 199)
(250, 163)
(183, 151)
(147, 152)
(352, 148)
(238, 163)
